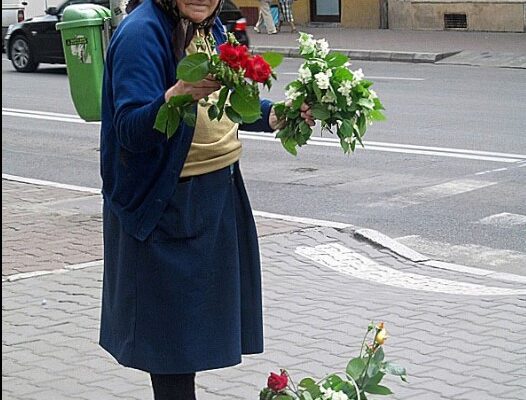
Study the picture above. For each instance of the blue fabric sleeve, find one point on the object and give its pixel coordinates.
(261, 125)
(138, 76)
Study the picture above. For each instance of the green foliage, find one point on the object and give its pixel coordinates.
(364, 373)
(193, 67)
(273, 59)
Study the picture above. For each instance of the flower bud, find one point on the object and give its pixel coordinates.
(381, 336)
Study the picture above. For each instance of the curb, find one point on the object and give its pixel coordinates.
(371, 236)
(367, 55)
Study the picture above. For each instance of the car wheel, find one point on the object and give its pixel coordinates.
(21, 54)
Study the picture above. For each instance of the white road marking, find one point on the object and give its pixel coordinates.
(485, 257)
(315, 141)
(32, 274)
(505, 220)
(491, 171)
(263, 214)
(345, 261)
(430, 193)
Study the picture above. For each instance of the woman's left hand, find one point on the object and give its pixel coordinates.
(306, 114)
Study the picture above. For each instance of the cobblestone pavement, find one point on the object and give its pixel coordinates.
(460, 336)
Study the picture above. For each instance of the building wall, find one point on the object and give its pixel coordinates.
(481, 15)
(354, 13)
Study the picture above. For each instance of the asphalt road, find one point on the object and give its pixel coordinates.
(445, 174)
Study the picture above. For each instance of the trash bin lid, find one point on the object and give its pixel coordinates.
(80, 15)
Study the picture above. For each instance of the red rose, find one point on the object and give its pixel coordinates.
(257, 69)
(234, 56)
(277, 382)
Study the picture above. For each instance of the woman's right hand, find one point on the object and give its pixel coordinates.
(197, 90)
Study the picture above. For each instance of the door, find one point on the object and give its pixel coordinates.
(325, 10)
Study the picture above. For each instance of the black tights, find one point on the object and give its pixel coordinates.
(173, 387)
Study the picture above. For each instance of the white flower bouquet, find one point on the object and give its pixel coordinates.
(340, 98)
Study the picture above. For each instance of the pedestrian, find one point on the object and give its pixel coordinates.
(265, 17)
(286, 15)
(181, 284)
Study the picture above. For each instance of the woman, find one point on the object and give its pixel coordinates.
(285, 15)
(265, 17)
(181, 286)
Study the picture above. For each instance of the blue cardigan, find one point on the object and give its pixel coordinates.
(139, 167)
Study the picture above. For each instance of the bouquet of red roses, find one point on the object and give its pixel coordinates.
(239, 74)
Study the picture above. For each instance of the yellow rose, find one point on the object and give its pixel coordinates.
(380, 337)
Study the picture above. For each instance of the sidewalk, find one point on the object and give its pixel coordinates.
(460, 335)
(446, 47)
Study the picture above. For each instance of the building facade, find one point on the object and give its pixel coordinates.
(470, 15)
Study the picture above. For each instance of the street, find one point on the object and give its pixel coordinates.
(445, 174)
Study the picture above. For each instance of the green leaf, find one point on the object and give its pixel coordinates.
(233, 115)
(355, 367)
(161, 120)
(180, 100)
(174, 118)
(394, 369)
(375, 380)
(333, 381)
(279, 109)
(343, 74)
(274, 59)
(379, 355)
(311, 387)
(306, 130)
(335, 59)
(189, 118)
(319, 111)
(193, 68)
(306, 396)
(290, 145)
(317, 91)
(247, 106)
(367, 103)
(373, 368)
(346, 128)
(377, 115)
(378, 389)
(223, 95)
(213, 112)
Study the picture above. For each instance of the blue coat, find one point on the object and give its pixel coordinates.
(181, 286)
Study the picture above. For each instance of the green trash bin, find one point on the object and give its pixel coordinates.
(85, 32)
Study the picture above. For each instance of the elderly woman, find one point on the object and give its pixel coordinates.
(181, 285)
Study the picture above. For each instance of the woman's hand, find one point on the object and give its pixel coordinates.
(198, 90)
(306, 114)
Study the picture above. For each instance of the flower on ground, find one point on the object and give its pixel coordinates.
(277, 382)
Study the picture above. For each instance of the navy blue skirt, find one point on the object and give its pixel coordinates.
(189, 297)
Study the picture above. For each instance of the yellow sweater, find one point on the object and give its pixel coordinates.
(215, 144)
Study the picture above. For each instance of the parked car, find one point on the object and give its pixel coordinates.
(36, 40)
(12, 13)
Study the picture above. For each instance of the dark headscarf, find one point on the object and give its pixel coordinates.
(184, 29)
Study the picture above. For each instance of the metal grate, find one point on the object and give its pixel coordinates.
(455, 21)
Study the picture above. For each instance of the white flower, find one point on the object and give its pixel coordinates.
(307, 43)
(372, 94)
(339, 396)
(358, 75)
(329, 97)
(292, 94)
(305, 75)
(323, 79)
(332, 107)
(327, 395)
(345, 88)
(323, 47)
